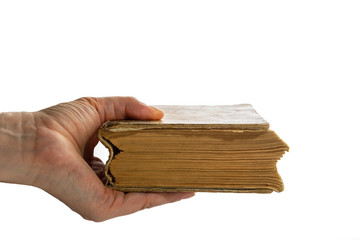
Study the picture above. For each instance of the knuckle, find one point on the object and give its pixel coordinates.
(130, 99)
(91, 100)
(95, 217)
(148, 203)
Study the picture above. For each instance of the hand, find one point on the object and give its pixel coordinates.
(54, 151)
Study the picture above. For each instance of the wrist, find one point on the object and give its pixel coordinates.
(17, 139)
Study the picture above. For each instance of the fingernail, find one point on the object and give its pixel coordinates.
(160, 112)
(156, 109)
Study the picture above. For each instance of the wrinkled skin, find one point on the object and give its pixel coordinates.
(53, 149)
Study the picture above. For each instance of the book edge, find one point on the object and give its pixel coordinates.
(126, 125)
(184, 189)
(109, 177)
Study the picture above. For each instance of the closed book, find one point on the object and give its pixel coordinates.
(220, 148)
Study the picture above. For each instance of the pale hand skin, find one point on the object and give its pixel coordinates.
(53, 149)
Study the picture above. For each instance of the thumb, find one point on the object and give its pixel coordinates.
(108, 108)
(138, 110)
(117, 108)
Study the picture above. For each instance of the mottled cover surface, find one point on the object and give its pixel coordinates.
(240, 116)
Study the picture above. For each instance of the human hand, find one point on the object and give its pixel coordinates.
(53, 149)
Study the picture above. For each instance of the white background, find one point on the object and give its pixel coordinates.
(297, 62)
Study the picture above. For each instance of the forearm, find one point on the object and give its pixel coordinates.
(16, 144)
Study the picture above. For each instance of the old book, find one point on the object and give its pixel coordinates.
(194, 148)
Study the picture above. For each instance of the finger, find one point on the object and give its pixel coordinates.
(116, 108)
(140, 111)
(98, 167)
(134, 202)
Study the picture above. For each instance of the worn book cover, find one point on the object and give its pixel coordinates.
(222, 148)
